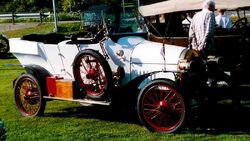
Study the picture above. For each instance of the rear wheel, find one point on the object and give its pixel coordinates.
(161, 107)
(92, 74)
(28, 96)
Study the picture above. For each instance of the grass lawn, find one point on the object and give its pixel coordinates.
(71, 121)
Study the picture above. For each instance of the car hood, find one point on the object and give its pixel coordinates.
(153, 52)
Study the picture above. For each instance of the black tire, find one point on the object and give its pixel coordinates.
(161, 107)
(93, 74)
(28, 96)
(4, 45)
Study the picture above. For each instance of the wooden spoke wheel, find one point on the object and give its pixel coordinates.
(161, 107)
(28, 96)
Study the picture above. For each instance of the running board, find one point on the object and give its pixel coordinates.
(85, 101)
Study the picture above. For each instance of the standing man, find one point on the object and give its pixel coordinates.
(201, 32)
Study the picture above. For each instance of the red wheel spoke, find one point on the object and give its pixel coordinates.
(179, 110)
(178, 102)
(155, 95)
(161, 121)
(167, 95)
(83, 70)
(83, 63)
(150, 98)
(170, 96)
(151, 113)
(87, 61)
(150, 105)
(161, 95)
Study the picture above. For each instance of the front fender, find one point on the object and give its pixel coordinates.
(132, 89)
(140, 81)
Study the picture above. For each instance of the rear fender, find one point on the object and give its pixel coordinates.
(37, 71)
(40, 74)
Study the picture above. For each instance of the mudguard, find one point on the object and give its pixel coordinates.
(137, 83)
(40, 73)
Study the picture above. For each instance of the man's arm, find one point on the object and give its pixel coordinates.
(210, 29)
(191, 35)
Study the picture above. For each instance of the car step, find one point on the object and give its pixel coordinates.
(83, 101)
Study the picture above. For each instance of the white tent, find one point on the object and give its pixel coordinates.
(186, 5)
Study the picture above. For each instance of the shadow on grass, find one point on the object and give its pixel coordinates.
(222, 119)
(106, 113)
(7, 56)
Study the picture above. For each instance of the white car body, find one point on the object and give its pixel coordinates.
(140, 56)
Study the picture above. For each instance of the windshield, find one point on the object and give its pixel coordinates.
(124, 22)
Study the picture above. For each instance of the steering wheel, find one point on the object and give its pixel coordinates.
(240, 25)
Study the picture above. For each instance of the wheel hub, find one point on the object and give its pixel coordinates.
(30, 97)
(92, 73)
(163, 104)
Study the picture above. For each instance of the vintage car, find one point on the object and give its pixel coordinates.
(4, 45)
(125, 63)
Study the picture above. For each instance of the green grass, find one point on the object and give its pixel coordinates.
(69, 121)
(64, 28)
(42, 28)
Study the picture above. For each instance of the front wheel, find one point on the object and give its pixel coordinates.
(28, 96)
(161, 107)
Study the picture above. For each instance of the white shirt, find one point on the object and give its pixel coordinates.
(223, 21)
(201, 30)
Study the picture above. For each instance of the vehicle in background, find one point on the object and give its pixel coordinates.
(4, 45)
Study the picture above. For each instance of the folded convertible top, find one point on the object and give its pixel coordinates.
(188, 5)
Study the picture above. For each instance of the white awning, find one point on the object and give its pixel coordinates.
(188, 5)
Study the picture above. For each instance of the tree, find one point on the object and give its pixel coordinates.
(68, 5)
(25, 5)
(3, 2)
(45, 5)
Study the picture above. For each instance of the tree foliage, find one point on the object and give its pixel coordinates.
(25, 5)
(46, 5)
(61, 5)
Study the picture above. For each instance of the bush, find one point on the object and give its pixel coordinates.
(72, 16)
(69, 27)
